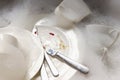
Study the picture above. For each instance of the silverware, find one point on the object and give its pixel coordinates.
(51, 65)
(43, 73)
(76, 65)
(53, 69)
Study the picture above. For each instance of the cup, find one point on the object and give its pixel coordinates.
(72, 10)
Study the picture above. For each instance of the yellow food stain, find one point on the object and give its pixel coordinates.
(62, 46)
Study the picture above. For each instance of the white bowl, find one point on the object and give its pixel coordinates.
(29, 45)
(8, 39)
(12, 62)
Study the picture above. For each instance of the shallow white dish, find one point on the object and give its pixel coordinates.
(72, 50)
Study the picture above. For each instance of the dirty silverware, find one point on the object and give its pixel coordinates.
(43, 73)
(51, 66)
(76, 65)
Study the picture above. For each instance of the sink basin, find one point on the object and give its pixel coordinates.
(25, 14)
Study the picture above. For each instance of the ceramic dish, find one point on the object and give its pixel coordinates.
(12, 61)
(69, 39)
(30, 46)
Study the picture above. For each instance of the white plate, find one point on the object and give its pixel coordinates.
(30, 46)
(70, 40)
(53, 38)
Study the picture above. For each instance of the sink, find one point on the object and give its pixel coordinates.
(91, 40)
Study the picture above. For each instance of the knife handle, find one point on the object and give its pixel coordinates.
(74, 64)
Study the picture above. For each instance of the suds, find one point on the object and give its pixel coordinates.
(109, 69)
(98, 37)
(25, 13)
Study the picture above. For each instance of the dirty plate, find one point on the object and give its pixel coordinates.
(66, 42)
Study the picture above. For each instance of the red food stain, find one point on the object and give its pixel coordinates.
(52, 34)
(35, 32)
(44, 47)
